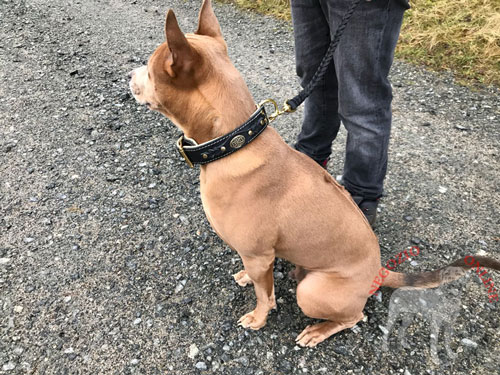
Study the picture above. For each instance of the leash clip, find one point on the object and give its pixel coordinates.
(277, 112)
(181, 151)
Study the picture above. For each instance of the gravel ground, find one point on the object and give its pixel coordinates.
(107, 263)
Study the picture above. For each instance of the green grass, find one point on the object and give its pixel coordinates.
(462, 36)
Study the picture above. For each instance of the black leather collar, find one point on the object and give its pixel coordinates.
(225, 145)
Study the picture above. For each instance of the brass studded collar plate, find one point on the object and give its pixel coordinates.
(223, 146)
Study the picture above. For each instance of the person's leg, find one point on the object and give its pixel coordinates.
(312, 38)
(362, 62)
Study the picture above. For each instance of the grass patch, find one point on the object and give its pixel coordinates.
(276, 8)
(461, 35)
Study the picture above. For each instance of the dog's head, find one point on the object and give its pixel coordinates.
(191, 80)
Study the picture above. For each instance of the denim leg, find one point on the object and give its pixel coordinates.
(312, 38)
(362, 63)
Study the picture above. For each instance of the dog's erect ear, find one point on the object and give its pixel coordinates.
(181, 54)
(207, 21)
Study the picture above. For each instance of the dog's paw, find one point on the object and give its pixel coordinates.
(253, 320)
(242, 278)
(310, 337)
(313, 335)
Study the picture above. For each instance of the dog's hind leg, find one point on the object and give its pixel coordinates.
(323, 296)
(260, 270)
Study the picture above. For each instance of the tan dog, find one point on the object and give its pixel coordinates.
(266, 200)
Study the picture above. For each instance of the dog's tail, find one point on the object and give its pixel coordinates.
(449, 273)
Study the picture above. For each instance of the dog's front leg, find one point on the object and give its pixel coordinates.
(260, 271)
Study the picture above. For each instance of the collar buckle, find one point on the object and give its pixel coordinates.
(181, 151)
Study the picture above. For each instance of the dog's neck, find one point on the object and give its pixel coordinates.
(214, 121)
(219, 106)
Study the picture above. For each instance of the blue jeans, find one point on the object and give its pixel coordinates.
(355, 89)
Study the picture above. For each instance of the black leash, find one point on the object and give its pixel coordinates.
(291, 105)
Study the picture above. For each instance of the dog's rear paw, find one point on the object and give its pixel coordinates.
(313, 335)
(242, 278)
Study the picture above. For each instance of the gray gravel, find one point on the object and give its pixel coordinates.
(107, 263)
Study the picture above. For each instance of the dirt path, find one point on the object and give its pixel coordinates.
(107, 264)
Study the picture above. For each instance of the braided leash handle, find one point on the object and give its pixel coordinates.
(323, 66)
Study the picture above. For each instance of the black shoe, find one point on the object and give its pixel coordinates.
(368, 207)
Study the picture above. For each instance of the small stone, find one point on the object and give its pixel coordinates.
(73, 72)
(226, 326)
(201, 366)
(462, 128)
(67, 299)
(226, 348)
(278, 275)
(415, 240)
(356, 329)
(46, 221)
(9, 147)
(426, 123)
(193, 351)
(243, 360)
(180, 286)
(18, 350)
(28, 239)
(9, 366)
(125, 96)
(482, 253)
(137, 321)
(442, 189)
(286, 366)
(112, 178)
(469, 343)
(18, 309)
(341, 350)
(115, 126)
(69, 350)
(408, 218)
(407, 372)
(134, 361)
(4, 260)
(383, 329)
